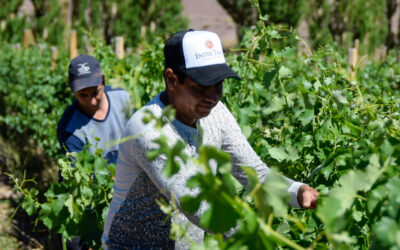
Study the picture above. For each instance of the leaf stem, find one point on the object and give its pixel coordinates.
(242, 208)
(269, 231)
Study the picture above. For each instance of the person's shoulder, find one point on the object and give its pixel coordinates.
(68, 114)
(219, 116)
(119, 94)
(118, 90)
(136, 125)
(219, 108)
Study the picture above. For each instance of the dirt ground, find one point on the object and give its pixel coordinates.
(17, 231)
(209, 15)
(7, 239)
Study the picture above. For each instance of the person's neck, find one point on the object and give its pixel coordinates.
(183, 119)
(164, 98)
(101, 113)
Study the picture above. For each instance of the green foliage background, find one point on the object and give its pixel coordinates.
(345, 21)
(104, 19)
(326, 21)
(306, 116)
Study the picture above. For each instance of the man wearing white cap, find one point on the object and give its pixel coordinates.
(194, 72)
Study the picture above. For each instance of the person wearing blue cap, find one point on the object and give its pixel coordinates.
(195, 69)
(99, 113)
(97, 116)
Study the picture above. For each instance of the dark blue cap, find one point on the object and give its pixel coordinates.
(83, 72)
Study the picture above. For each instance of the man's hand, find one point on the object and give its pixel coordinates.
(307, 197)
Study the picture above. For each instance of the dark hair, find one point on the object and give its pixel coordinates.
(173, 54)
(180, 74)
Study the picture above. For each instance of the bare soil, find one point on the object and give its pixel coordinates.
(18, 231)
(210, 15)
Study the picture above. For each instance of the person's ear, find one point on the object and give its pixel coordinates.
(170, 78)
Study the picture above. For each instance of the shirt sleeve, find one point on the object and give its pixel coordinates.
(68, 141)
(242, 154)
(72, 144)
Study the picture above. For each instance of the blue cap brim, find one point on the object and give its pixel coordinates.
(83, 83)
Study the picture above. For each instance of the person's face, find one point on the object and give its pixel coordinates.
(193, 101)
(90, 98)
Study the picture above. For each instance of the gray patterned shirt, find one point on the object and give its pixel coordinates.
(134, 220)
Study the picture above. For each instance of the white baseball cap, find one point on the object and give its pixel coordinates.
(198, 55)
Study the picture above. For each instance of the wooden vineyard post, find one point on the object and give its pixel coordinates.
(352, 55)
(143, 31)
(45, 33)
(3, 25)
(357, 45)
(29, 39)
(383, 53)
(89, 48)
(26, 37)
(54, 56)
(153, 26)
(119, 47)
(41, 46)
(377, 56)
(73, 44)
(380, 53)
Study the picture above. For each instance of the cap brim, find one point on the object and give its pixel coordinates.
(83, 83)
(210, 75)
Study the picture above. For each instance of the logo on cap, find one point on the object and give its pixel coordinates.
(209, 44)
(83, 69)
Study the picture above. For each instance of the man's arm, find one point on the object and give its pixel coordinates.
(242, 154)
